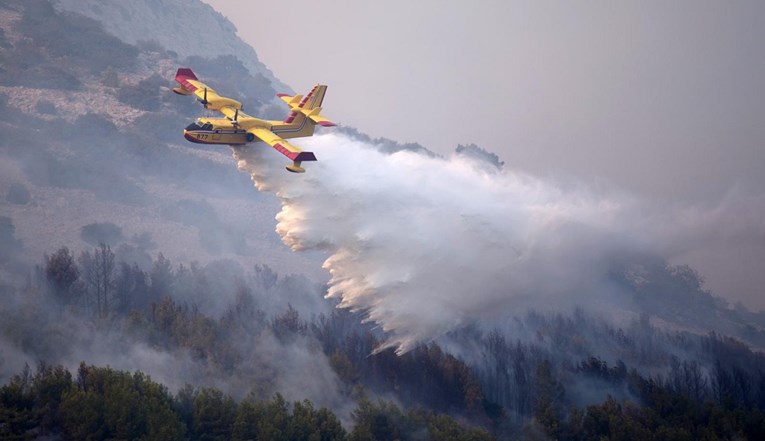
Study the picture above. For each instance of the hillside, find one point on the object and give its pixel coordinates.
(107, 146)
(138, 271)
(185, 27)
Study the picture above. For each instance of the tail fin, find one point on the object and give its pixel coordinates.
(182, 76)
(314, 98)
(186, 73)
(308, 108)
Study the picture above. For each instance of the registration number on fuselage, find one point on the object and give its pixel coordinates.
(217, 137)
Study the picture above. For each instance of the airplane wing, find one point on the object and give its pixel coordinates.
(190, 84)
(295, 154)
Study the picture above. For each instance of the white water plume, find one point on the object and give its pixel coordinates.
(425, 245)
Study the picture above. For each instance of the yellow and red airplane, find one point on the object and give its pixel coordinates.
(238, 128)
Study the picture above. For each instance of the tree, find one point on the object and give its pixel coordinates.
(101, 233)
(288, 324)
(214, 416)
(110, 78)
(343, 367)
(18, 194)
(275, 419)
(308, 424)
(109, 404)
(547, 409)
(247, 421)
(48, 386)
(18, 415)
(61, 273)
(98, 274)
(376, 421)
(131, 288)
(161, 278)
(9, 245)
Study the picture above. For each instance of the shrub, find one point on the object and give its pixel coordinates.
(18, 194)
(97, 233)
(46, 107)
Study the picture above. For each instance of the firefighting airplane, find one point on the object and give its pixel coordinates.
(238, 128)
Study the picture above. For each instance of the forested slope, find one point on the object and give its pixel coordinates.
(571, 376)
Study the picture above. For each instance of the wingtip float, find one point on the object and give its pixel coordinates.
(238, 128)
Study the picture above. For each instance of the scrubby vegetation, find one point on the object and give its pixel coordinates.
(18, 194)
(475, 384)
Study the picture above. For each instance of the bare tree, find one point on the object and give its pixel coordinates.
(98, 274)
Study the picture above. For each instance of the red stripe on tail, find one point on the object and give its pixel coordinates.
(183, 75)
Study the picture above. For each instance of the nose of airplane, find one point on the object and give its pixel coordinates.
(190, 137)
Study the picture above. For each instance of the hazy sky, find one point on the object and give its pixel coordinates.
(661, 99)
(664, 98)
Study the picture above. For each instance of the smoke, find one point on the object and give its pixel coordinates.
(425, 245)
(725, 242)
(33, 331)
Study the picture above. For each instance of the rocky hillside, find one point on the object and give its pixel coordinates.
(187, 27)
(93, 136)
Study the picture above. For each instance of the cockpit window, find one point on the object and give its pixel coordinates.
(197, 126)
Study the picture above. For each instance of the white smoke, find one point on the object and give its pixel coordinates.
(425, 245)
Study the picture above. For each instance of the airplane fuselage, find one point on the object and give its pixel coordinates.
(222, 131)
(205, 131)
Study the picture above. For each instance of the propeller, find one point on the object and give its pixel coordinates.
(204, 100)
(234, 121)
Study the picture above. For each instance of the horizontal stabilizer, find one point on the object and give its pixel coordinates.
(320, 120)
(305, 156)
(292, 101)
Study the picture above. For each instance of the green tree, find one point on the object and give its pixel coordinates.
(48, 386)
(109, 404)
(308, 424)
(547, 408)
(288, 324)
(377, 421)
(343, 367)
(275, 419)
(17, 412)
(214, 416)
(247, 421)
